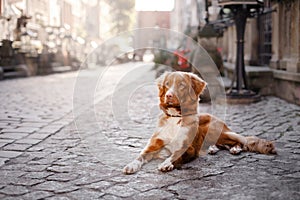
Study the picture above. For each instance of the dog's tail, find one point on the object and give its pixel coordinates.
(253, 143)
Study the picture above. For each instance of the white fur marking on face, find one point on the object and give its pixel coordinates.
(172, 88)
(170, 91)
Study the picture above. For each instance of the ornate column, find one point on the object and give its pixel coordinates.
(251, 39)
(276, 39)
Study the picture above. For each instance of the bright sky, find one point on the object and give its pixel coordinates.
(154, 5)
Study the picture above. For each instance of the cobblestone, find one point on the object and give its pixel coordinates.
(101, 185)
(121, 191)
(13, 135)
(17, 147)
(54, 158)
(14, 190)
(2, 144)
(58, 198)
(65, 190)
(37, 175)
(28, 181)
(37, 195)
(62, 177)
(85, 194)
(28, 141)
(3, 161)
(6, 141)
(9, 154)
(50, 186)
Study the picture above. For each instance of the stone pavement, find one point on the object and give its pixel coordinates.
(46, 154)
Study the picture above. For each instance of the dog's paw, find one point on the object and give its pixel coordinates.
(213, 149)
(166, 166)
(235, 150)
(132, 167)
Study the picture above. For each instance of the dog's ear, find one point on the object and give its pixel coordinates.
(160, 83)
(198, 85)
(160, 80)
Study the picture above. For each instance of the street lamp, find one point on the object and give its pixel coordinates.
(241, 10)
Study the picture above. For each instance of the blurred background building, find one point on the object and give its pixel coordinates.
(50, 36)
(45, 36)
(272, 49)
(272, 40)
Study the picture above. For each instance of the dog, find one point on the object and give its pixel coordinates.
(182, 133)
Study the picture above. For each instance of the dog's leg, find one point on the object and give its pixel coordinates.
(169, 163)
(255, 144)
(153, 147)
(232, 141)
(213, 149)
(178, 147)
(189, 155)
(251, 143)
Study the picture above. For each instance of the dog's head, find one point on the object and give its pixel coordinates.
(180, 91)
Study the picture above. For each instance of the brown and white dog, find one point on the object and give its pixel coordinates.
(182, 132)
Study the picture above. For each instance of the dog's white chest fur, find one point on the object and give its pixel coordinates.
(170, 128)
(173, 112)
(173, 133)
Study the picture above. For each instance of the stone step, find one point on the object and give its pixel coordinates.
(259, 78)
(14, 71)
(226, 81)
(8, 68)
(61, 69)
(14, 74)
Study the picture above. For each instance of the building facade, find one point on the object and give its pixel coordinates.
(285, 60)
(272, 50)
(152, 19)
(80, 17)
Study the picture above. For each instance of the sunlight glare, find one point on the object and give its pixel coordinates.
(154, 5)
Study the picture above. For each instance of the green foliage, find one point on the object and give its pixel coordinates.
(121, 14)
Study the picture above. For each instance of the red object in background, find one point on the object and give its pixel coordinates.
(182, 60)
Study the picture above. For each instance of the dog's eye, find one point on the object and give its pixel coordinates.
(181, 86)
(167, 83)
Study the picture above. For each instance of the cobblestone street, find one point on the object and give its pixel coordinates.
(47, 154)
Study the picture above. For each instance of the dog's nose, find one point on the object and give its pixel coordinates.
(169, 95)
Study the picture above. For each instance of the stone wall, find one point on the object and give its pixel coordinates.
(287, 85)
(285, 61)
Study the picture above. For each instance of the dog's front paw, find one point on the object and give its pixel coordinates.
(166, 166)
(235, 150)
(213, 149)
(132, 167)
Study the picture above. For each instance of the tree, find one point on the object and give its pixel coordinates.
(121, 15)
